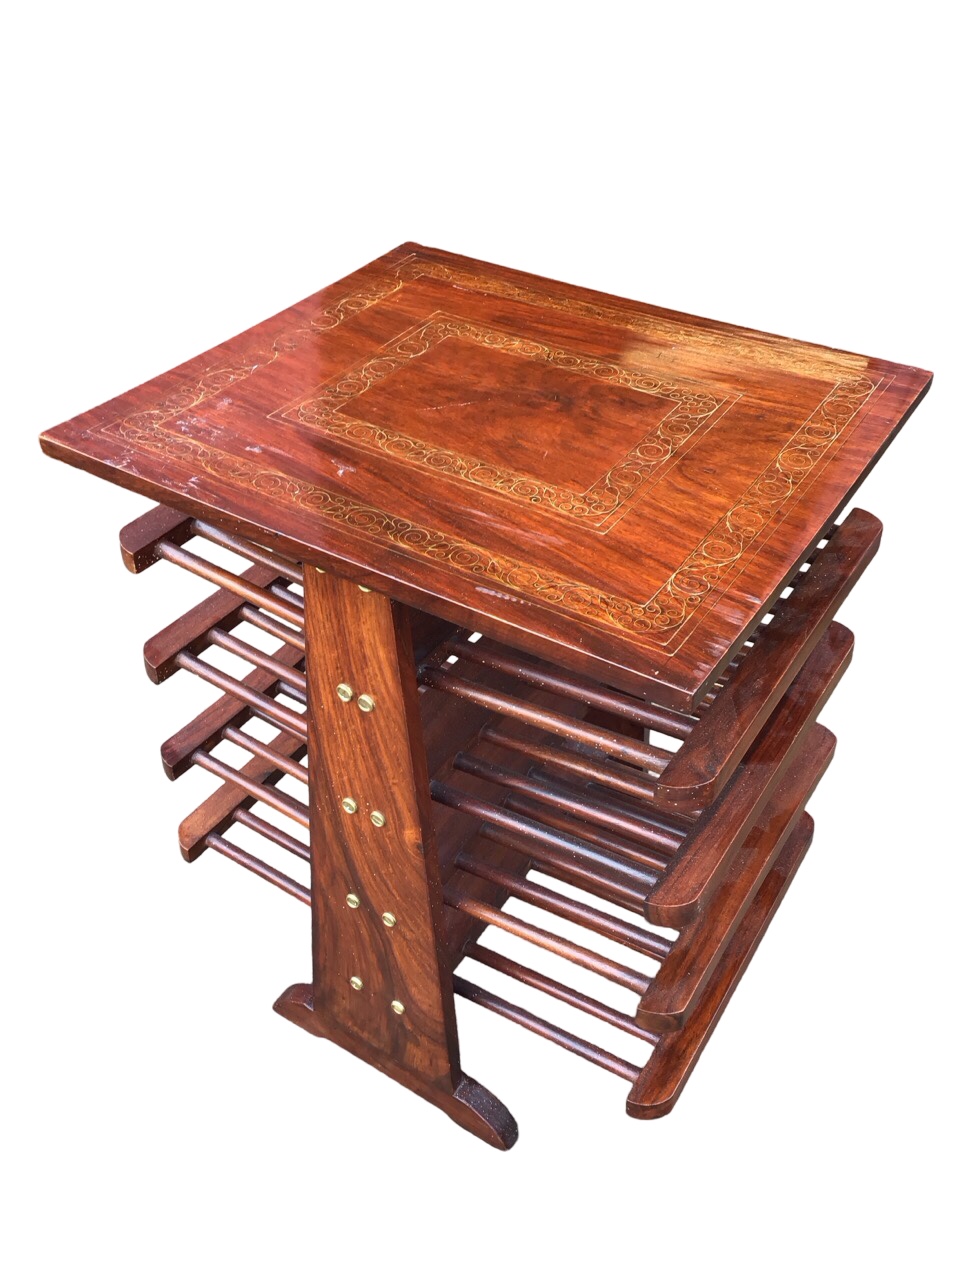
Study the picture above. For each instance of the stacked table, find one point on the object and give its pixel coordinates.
(532, 589)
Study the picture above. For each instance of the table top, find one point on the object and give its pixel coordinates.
(617, 487)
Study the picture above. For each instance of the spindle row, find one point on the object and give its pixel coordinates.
(640, 849)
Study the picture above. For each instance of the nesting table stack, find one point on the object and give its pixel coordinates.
(523, 619)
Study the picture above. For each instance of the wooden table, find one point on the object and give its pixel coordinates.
(636, 510)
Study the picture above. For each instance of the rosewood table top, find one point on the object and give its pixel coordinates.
(614, 486)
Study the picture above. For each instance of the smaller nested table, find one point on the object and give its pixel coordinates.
(524, 615)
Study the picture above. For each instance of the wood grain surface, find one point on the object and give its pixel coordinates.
(381, 984)
(616, 487)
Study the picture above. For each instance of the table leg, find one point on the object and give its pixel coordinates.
(382, 986)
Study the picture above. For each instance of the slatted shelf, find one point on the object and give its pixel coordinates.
(710, 745)
(656, 1084)
(548, 789)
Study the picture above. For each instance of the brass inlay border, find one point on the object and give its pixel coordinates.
(213, 380)
(763, 350)
(654, 619)
(599, 503)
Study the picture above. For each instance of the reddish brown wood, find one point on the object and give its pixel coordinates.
(640, 829)
(608, 773)
(698, 950)
(191, 631)
(616, 497)
(265, 751)
(259, 867)
(613, 487)
(541, 1027)
(659, 1085)
(257, 658)
(576, 954)
(606, 926)
(699, 770)
(219, 811)
(267, 829)
(266, 708)
(545, 676)
(694, 874)
(276, 600)
(205, 730)
(141, 538)
(632, 750)
(272, 626)
(397, 1014)
(271, 796)
(558, 990)
(281, 567)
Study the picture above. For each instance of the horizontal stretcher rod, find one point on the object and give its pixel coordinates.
(249, 550)
(256, 657)
(499, 658)
(539, 1026)
(258, 867)
(540, 834)
(284, 804)
(540, 982)
(266, 708)
(265, 752)
(571, 827)
(270, 832)
(291, 691)
(657, 835)
(538, 895)
(272, 627)
(605, 879)
(274, 600)
(618, 745)
(604, 967)
(609, 774)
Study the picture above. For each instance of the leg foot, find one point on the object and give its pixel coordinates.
(465, 1101)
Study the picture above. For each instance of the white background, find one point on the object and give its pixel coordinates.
(176, 173)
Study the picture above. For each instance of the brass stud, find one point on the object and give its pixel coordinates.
(344, 692)
(356, 983)
(353, 901)
(348, 804)
(367, 590)
(378, 819)
(389, 919)
(365, 702)
(396, 1006)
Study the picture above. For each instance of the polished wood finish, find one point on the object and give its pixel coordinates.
(713, 749)
(688, 884)
(700, 947)
(710, 744)
(191, 632)
(659, 1085)
(206, 729)
(538, 606)
(217, 813)
(380, 989)
(614, 487)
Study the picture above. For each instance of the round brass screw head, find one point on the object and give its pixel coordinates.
(365, 702)
(353, 901)
(389, 919)
(378, 819)
(344, 692)
(396, 1006)
(348, 804)
(356, 983)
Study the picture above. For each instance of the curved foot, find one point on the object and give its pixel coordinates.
(467, 1103)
